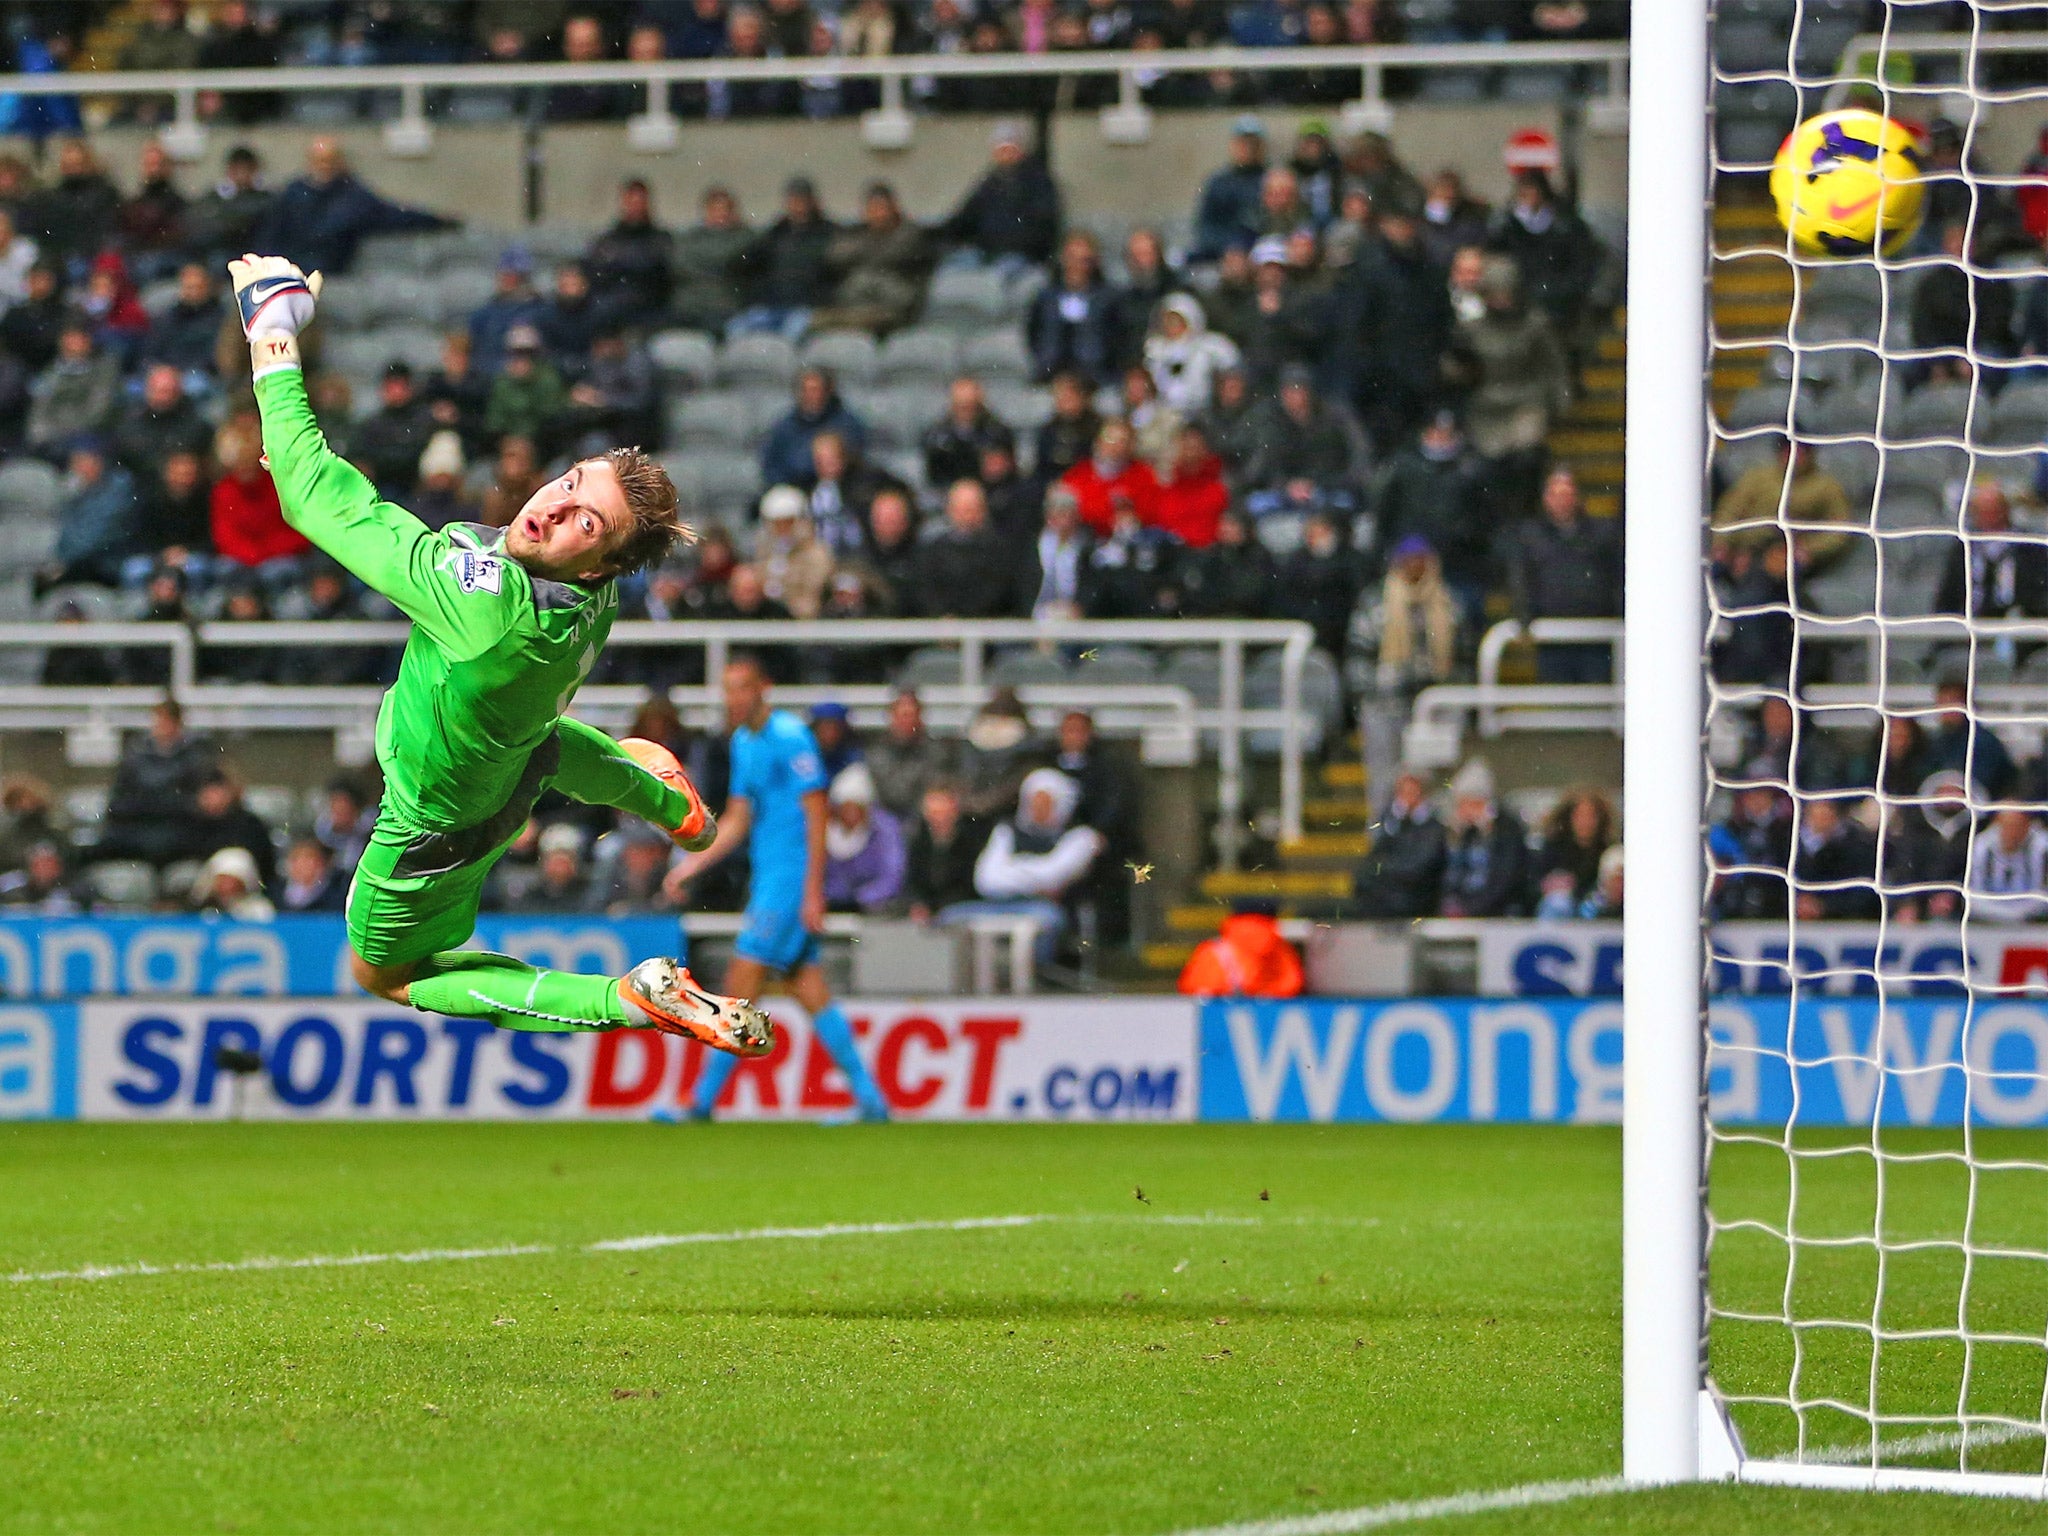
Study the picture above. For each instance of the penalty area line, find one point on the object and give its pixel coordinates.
(1374, 1516)
(637, 1244)
(1527, 1495)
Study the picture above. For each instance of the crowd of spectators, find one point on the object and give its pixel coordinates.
(1000, 821)
(1916, 821)
(1334, 406)
(1466, 853)
(244, 34)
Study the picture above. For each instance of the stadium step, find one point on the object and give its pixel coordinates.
(1752, 315)
(1190, 918)
(1278, 884)
(1343, 775)
(1597, 408)
(1326, 845)
(1573, 444)
(1603, 379)
(1753, 278)
(1323, 814)
(1167, 955)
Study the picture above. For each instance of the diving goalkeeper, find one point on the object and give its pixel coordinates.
(506, 625)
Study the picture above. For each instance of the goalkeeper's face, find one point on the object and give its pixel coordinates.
(569, 528)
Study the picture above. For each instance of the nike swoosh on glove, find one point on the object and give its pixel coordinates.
(274, 297)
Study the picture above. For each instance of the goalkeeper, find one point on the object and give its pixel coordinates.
(506, 625)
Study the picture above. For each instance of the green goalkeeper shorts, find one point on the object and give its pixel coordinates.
(401, 908)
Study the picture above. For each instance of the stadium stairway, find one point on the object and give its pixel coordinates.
(1752, 295)
(1312, 877)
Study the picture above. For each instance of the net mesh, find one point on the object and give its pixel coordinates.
(1877, 1207)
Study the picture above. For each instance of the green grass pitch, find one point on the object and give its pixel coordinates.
(1413, 1312)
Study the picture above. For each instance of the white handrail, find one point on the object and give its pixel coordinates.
(343, 708)
(1494, 643)
(898, 66)
(657, 128)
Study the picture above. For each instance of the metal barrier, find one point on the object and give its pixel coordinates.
(1166, 717)
(1436, 725)
(888, 126)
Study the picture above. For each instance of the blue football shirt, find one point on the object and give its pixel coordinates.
(773, 769)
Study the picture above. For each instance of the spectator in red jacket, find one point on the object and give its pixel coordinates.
(1110, 473)
(249, 529)
(1194, 498)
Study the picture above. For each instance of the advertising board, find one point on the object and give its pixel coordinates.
(1914, 1062)
(1006, 1059)
(1518, 959)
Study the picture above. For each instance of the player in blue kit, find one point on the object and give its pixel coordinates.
(777, 804)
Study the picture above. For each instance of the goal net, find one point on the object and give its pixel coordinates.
(1873, 1261)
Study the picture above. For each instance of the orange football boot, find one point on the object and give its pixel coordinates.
(667, 998)
(700, 826)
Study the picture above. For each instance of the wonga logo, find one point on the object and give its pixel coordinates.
(1410, 1061)
(39, 1062)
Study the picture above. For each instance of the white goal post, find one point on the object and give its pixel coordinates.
(1852, 1291)
(1663, 703)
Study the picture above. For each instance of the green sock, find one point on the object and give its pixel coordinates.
(474, 984)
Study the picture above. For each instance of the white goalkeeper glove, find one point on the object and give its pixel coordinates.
(276, 301)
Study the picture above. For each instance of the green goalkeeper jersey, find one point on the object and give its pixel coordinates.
(495, 656)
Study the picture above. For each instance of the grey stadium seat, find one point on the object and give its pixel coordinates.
(717, 417)
(1912, 506)
(1020, 408)
(125, 883)
(559, 242)
(358, 356)
(402, 298)
(1199, 670)
(347, 303)
(896, 418)
(757, 359)
(2020, 418)
(29, 488)
(925, 354)
(848, 355)
(931, 666)
(1930, 467)
(1850, 411)
(1761, 405)
(906, 464)
(417, 345)
(998, 354)
(688, 355)
(1744, 45)
(1119, 666)
(27, 541)
(974, 294)
(1021, 668)
(1322, 698)
(1932, 410)
(463, 290)
(1736, 456)
(724, 482)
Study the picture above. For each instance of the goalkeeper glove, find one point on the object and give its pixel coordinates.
(276, 302)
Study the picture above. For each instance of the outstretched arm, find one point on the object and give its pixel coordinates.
(463, 597)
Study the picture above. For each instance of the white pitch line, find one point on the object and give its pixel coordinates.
(612, 1245)
(1929, 1444)
(834, 1229)
(1375, 1516)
